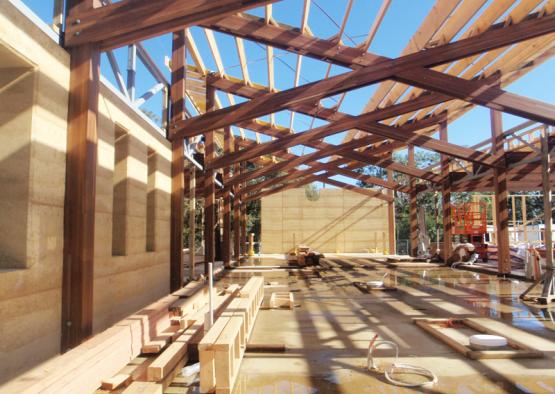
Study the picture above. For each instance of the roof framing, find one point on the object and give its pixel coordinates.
(381, 69)
(139, 19)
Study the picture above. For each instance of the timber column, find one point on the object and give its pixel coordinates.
(80, 191)
(446, 197)
(500, 196)
(177, 97)
(192, 220)
(243, 214)
(226, 244)
(209, 186)
(413, 209)
(236, 214)
(548, 288)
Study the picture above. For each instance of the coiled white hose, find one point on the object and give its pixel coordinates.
(398, 367)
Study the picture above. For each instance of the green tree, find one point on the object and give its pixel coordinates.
(427, 200)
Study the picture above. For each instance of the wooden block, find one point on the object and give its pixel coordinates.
(282, 299)
(232, 289)
(207, 370)
(177, 351)
(214, 333)
(116, 381)
(168, 359)
(168, 380)
(155, 346)
(231, 331)
(207, 355)
(184, 306)
(144, 388)
(189, 289)
(252, 286)
(182, 322)
(426, 326)
(224, 371)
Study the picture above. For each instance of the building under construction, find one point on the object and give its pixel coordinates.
(244, 196)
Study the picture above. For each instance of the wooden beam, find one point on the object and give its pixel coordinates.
(327, 130)
(346, 149)
(177, 97)
(492, 97)
(430, 143)
(292, 161)
(296, 183)
(372, 180)
(446, 198)
(413, 207)
(500, 197)
(209, 186)
(407, 134)
(331, 167)
(130, 21)
(442, 23)
(80, 191)
(362, 159)
(381, 69)
(375, 25)
(359, 190)
(226, 245)
(403, 137)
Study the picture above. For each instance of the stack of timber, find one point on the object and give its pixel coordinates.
(168, 363)
(82, 369)
(223, 347)
(143, 352)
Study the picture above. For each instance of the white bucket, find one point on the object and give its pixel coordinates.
(483, 341)
(374, 284)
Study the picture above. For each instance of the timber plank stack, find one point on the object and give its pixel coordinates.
(83, 368)
(222, 348)
(145, 351)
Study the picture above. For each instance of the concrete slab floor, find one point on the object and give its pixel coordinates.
(328, 333)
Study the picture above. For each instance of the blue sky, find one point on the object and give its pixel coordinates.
(402, 20)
